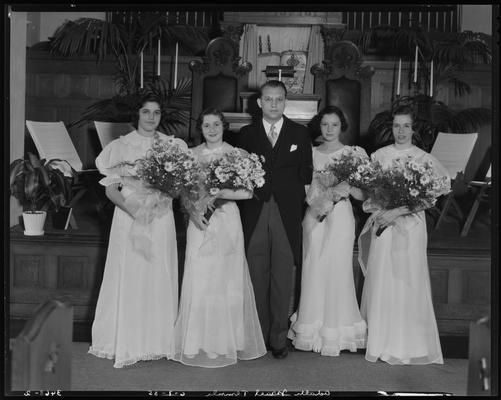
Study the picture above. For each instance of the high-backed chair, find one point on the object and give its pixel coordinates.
(453, 150)
(342, 81)
(217, 80)
(41, 353)
(52, 140)
(109, 131)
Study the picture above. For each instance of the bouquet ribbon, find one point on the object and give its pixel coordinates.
(152, 204)
(400, 241)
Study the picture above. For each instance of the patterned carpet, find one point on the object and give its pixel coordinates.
(300, 371)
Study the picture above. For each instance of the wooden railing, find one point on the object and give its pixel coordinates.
(444, 18)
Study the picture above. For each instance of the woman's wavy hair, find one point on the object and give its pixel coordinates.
(211, 111)
(141, 101)
(405, 110)
(314, 124)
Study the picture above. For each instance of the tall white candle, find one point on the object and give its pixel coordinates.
(431, 79)
(399, 75)
(158, 61)
(141, 69)
(279, 74)
(175, 66)
(415, 64)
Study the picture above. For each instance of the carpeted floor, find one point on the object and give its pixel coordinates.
(299, 371)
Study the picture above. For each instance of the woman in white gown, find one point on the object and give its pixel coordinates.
(396, 298)
(217, 321)
(328, 319)
(138, 299)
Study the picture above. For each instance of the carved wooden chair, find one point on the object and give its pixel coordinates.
(342, 81)
(217, 81)
(41, 353)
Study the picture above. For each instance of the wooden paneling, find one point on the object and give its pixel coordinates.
(55, 267)
(460, 286)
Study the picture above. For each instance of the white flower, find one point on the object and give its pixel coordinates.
(414, 192)
(260, 182)
(213, 191)
(424, 179)
(169, 166)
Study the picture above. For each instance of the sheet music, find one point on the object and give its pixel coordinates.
(453, 150)
(109, 131)
(52, 140)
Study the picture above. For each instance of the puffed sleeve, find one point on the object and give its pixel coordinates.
(108, 160)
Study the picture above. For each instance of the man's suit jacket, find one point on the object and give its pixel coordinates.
(288, 168)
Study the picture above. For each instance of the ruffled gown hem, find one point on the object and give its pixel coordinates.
(128, 362)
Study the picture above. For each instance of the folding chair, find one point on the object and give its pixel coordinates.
(109, 131)
(52, 140)
(453, 150)
(482, 196)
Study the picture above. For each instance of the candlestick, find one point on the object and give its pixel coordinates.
(279, 74)
(399, 75)
(141, 70)
(431, 79)
(175, 66)
(415, 64)
(158, 61)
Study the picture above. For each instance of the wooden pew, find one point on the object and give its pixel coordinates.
(41, 353)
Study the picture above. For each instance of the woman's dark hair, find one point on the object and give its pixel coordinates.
(272, 84)
(141, 101)
(315, 122)
(405, 110)
(211, 111)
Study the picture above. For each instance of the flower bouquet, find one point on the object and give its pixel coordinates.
(235, 170)
(406, 183)
(323, 193)
(160, 174)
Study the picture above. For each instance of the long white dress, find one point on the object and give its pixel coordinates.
(217, 321)
(396, 298)
(328, 319)
(138, 299)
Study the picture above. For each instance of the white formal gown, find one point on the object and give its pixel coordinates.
(138, 299)
(217, 322)
(328, 319)
(396, 298)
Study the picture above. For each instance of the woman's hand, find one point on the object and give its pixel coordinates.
(387, 217)
(200, 221)
(341, 191)
(357, 193)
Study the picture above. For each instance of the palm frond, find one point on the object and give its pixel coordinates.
(85, 36)
(469, 120)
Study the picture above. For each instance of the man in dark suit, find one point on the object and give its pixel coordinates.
(272, 219)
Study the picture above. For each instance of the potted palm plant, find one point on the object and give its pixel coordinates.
(125, 40)
(451, 53)
(40, 186)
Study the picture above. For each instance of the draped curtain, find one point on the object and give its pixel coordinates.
(248, 51)
(315, 55)
(283, 38)
(263, 45)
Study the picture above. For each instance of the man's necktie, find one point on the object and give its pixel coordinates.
(273, 135)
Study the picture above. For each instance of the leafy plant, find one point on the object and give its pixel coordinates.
(40, 185)
(432, 116)
(125, 40)
(451, 53)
